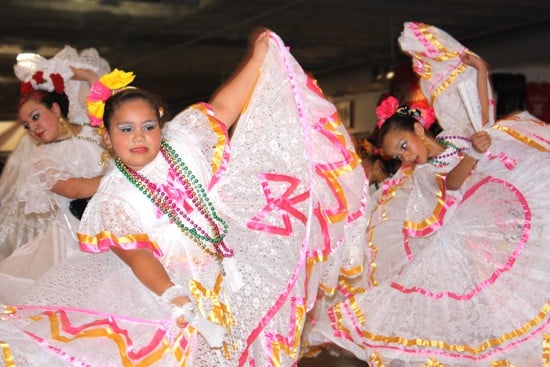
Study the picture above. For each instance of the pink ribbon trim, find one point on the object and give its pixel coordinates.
(499, 271)
(104, 240)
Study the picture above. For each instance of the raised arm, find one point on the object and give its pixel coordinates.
(230, 99)
(85, 75)
(480, 140)
(482, 83)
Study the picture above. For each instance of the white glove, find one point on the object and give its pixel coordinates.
(213, 333)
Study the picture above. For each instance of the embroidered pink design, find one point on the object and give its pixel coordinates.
(283, 204)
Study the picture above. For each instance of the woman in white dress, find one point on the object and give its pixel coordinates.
(58, 161)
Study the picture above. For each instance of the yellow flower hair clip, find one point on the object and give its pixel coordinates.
(104, 88)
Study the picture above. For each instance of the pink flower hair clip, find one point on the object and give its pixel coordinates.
(386, 109)
(426, 114)
(420, 111)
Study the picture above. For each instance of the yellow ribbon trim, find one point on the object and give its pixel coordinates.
(461, 348)
(139, 238)
(384, 199)
(375, 360)
(331, 124)
(445, 84)
(7, 355)
(436, 212)
(289, 350)
(218, 127)
(182, 355)
(107, 332)
(519, 136)
(7, 310)
(445, 55)
(373, 266)
(220, 313)
(546, 350)
(352, 272)
(501, 363)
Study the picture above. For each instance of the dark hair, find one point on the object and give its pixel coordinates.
(47, 99)
(398, 121)
(130, 94)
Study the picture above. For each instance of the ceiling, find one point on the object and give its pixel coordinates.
(183, 49)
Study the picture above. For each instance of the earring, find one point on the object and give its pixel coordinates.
(423, 138)
(63, 126)
(105, 155)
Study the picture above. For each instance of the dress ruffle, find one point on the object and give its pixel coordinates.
(44, 229)
(458, 278)
(294, 196)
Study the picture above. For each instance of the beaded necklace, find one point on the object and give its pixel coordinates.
(76, 137)
(199, 199)
(439, 160)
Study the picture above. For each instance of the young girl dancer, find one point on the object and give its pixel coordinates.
(460, 233)
(222, 254)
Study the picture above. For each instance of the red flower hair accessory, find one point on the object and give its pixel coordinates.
(426, 114)
(51, 83)
(386, 109)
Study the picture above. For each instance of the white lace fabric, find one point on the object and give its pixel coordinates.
(42, 231)
(59, 161)
(16, 228)
(462, 282)
(283, 264)
(436, 59)
(61, 63)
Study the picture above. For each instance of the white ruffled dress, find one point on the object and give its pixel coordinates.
(16, 228)
(458, 278)
(36, 204)
(37, 229)
(293, 193)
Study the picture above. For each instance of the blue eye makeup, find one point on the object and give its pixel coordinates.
(151, 125)
(126, 128)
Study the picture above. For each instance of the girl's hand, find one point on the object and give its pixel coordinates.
(261, 44)
(180, 301)
(481, 141)
(181, 322)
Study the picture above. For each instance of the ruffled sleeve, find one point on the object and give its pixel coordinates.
(78, 90)
(202, 139)
(110, 220)
(429, 204)
(61, 64)
(449, 85)
(50, 163)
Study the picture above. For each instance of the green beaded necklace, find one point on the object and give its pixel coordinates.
(438, 160)
(199, 199)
